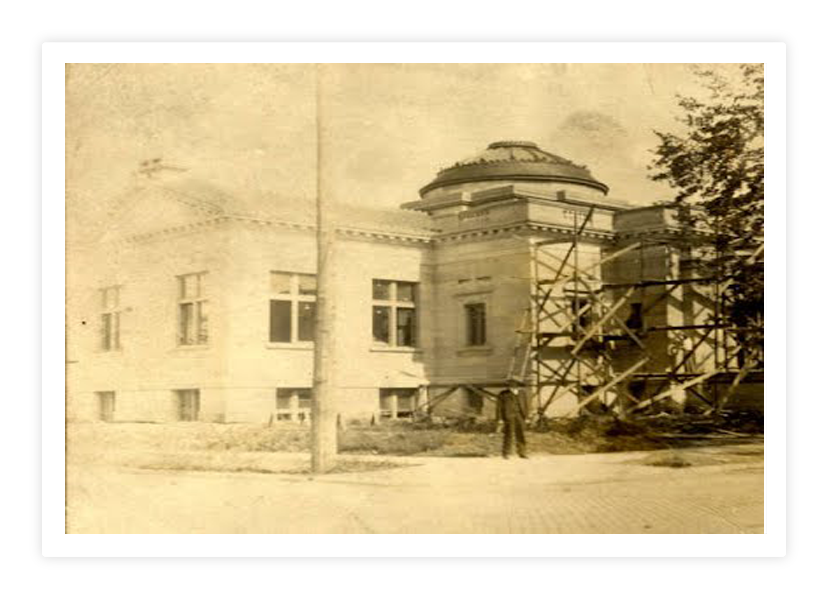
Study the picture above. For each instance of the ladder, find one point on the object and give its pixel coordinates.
(521, 349)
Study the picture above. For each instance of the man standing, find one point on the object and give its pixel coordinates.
(511, 414)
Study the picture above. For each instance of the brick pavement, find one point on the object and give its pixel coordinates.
(600, 493)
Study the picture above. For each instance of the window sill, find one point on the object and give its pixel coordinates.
(300, 345)
(477, 350)
(191, 347)
(390, 349)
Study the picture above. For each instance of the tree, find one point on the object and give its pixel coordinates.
(716, 165)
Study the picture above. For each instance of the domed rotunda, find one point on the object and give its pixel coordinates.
(515, 162)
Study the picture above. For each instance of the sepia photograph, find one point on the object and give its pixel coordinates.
(415, 298)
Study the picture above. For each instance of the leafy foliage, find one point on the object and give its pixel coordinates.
(716, 166)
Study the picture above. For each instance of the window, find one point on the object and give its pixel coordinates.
(110, 318)
(292, 307)
(635, 321)
(474, 401)
(476, 324)
(188, 404)
(397, 403)
(394, 313)
(106, 405)
(294, 404)
(193, 317)
(581, 313)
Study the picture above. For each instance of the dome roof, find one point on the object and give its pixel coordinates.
(522, 160)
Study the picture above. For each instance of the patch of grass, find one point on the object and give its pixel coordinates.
(392, 442)
(237, 462)
(671, 460)
(469, 438)
(207, 468)
(263, 438)
(350, 466)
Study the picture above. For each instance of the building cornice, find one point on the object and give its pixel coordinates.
(351, 232)
(661, 232)
(172, 231)
(561, 198)
(531, 227)
(385, 236)
(510, 192)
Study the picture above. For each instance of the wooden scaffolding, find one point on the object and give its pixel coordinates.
(587, 338)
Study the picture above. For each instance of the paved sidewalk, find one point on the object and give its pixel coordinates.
(599, 493)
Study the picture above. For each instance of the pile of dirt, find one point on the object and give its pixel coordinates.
(601, 434)
(733, 422)
(745, 421)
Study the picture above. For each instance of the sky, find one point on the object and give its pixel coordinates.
(385, 129)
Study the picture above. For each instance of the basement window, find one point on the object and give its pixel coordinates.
(294, 404)
(396, 404)
(474, 401)
(188, 404)
(106, 405)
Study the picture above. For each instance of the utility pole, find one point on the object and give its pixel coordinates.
(324, 413)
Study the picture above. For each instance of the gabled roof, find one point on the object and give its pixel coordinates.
(157, 205)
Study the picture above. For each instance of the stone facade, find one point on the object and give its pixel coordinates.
(466, 245)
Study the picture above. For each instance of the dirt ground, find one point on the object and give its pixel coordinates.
(598, 493)
(141, 478)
